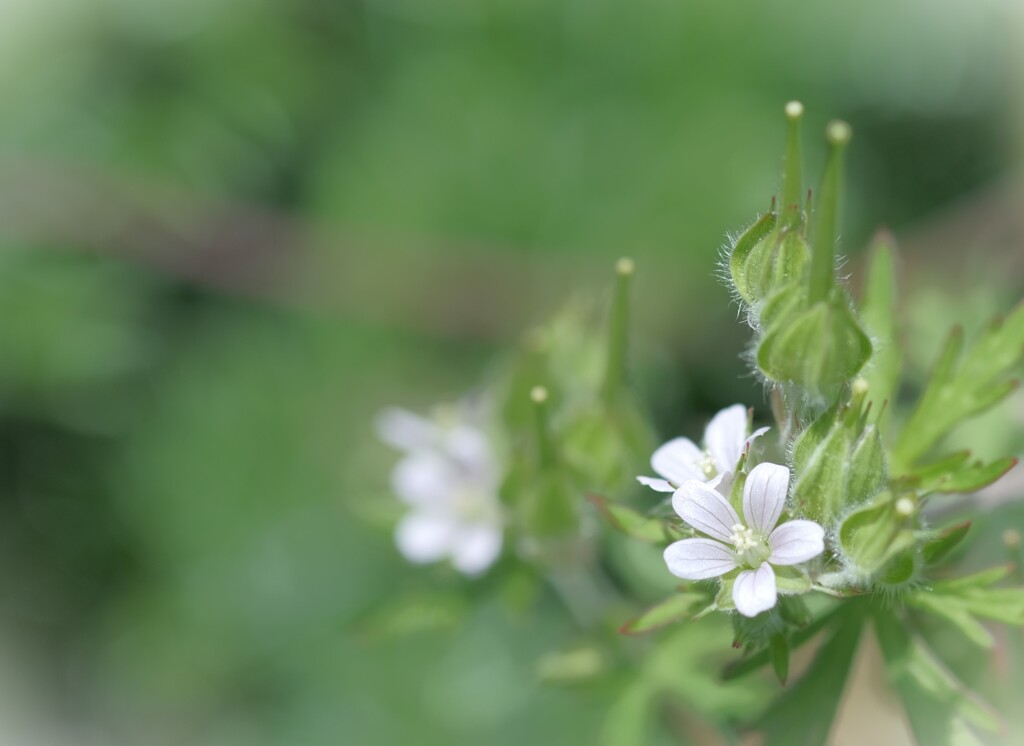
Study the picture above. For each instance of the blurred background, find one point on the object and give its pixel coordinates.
(231, 231)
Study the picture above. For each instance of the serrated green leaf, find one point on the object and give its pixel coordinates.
(677, 607)
(953, 611)
(973, 477)
(803, 715)
(937, 549)
(933, 698)
(962, 384)
(632, 523)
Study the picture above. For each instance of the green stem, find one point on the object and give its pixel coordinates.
(618, 332)
(826, 215)
(792, 182)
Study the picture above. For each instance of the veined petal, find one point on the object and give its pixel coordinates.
(725, 436)
(754, 590)
(424, 478)
(796, 541)
(405, 430)
(764, 495)
(705, 509)
(697, 559)
(476, 547)
(424, 537)
(660, 485)
(678, 460)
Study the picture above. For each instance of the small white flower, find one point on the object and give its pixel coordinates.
(754, 544)
(449, 478)
(680, 460)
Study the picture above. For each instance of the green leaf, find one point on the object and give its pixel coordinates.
(762, 658)
(938, 706)
(937, 549)
(973, 477)
(962, 385)
(672, 609)
(632, 523)
(879, 313)
(778, 648)
(961, 600)
(803, 715)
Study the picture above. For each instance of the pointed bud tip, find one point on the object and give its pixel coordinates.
(794, 110)
(539, 394)
(625, 266)
(838, 133)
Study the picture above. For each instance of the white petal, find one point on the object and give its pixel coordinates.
(697, 559)
(725, 436)
(678, 460)
(469, 447)
(424, 478)
(425, 537)
(406, 431)
(754, 590)
(476, 548)
(754, 436)
(706, 510)
(796, 541)
(764, 495)
(722, 483)
(656, 484)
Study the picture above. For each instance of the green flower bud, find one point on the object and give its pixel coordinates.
(539, 486)
(817, 349)
(878, 540)
(838, 461)
(778, 260)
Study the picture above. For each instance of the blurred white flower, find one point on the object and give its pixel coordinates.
(754, 544)
(449, 478)
(680, 460)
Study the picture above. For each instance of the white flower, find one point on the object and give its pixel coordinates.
(680, 460)
(754, 544)
(449, 478)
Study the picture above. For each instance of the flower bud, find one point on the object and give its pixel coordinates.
(838, 461)
(818, 348)
(878, 539)
(776, 261)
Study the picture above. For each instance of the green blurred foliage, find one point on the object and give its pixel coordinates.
(194, 517)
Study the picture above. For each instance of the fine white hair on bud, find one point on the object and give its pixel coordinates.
(625, 266)
(794, 109)
(905, 507)
(539, 394)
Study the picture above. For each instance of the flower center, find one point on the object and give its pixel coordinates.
(751, 548)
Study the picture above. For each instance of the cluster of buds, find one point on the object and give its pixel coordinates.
(809, 340)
